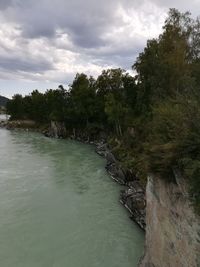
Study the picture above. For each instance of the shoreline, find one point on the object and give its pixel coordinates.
(132, 198)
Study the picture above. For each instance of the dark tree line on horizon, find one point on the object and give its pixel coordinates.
(152, 119)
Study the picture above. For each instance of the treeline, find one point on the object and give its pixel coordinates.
(153, 118)
(103, 103)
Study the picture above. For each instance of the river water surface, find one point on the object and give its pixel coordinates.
(59, 208)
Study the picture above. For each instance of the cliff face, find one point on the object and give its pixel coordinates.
(172, 228)
(56, 129)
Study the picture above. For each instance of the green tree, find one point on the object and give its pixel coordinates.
(15, 107)
(82, 100)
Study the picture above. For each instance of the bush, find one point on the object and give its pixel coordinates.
(174, 142)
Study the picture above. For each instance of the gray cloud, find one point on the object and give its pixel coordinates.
(85, 20)
(26, 65)
(182, 5)
(5, 3)
(53, 39)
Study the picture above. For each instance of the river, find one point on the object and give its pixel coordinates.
(59, 208)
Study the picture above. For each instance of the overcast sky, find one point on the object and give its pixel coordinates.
(45, 43)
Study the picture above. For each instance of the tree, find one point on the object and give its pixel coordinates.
(15, 107)
(164, 68)
(82, 100)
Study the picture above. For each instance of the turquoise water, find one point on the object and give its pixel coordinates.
(59, 208)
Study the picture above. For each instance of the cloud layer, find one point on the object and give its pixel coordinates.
(48, 41)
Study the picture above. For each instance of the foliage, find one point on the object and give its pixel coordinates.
(153, 118)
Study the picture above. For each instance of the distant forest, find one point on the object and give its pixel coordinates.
(3, 101)
(152, 120)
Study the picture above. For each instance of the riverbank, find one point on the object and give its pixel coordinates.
(58, 205)
(132, 198)
(170, 221)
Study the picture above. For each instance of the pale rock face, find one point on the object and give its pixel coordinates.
(57, 129)
(172, 227)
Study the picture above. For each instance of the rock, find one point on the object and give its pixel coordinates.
(116, 172)
(56, 130)
(101, 149)
(21, 124)
(134, 200)
(110, 157)
(3, 123)
(173, 228)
